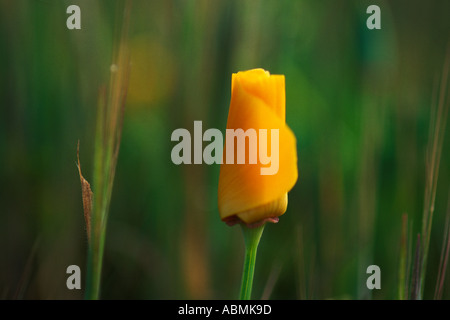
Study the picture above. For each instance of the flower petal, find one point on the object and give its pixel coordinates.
(269, 88)
(243, 191)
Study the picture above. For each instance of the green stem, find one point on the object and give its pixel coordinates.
(251, 238)
(95, 259)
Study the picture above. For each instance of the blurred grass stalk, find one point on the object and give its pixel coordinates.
(412, 267)
(405, 259)
(438, 121)
(110, 113)
(445, 251)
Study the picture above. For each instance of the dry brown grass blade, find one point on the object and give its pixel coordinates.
(87, 196)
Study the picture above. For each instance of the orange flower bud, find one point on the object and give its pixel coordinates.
(246, 192)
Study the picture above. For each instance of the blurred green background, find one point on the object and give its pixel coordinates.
(359, 102)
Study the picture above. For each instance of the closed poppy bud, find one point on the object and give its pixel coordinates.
(255, 190)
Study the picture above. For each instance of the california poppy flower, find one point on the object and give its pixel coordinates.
(245, 193)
